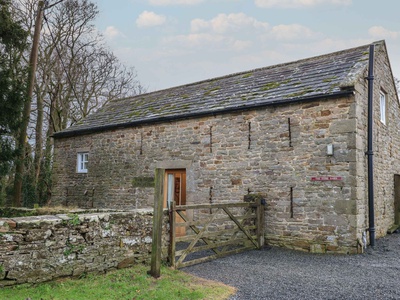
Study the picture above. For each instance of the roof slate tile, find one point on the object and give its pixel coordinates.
(317, 76)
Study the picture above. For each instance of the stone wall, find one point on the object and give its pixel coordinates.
(42, 248)
(273, 151)
(386, 147)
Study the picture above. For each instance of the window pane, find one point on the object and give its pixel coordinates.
(82, 160)
(383, 107)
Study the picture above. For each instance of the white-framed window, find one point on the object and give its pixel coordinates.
(382, 104)
(82, 162)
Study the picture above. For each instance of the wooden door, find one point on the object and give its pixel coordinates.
(175, 190)
(397, 199)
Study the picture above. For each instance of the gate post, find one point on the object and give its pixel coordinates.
(172, 228)
(157, 224)
(260, 221)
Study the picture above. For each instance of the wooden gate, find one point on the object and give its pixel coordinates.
(215, 230)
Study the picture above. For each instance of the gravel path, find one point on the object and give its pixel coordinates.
(276, 273)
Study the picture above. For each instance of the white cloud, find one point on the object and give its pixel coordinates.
(174, 2)
(224, 32)
(293, 32)
(112, 32)
(223, 23)
(150, 19)
(227, 32)
(298, 3)
(379, 32)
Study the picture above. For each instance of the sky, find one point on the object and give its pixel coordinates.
(176, 42)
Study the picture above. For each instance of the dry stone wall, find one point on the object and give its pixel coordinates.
(42, 248)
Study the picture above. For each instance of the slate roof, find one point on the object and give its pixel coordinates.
(322, 76)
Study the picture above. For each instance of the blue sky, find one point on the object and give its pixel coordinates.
(175, 42)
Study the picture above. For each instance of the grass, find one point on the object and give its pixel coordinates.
(125, 284)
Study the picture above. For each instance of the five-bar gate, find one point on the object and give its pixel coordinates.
(214, 230)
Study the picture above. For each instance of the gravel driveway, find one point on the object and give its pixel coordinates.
(276, 273)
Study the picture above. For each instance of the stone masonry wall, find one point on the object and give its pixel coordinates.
(273, 151)
(386, 147)
(42, 248)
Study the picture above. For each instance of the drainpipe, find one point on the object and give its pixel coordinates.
(370, 152)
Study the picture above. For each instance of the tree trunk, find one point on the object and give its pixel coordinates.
(38, 136)
(19, 166)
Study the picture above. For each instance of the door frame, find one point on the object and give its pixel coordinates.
(182, 174)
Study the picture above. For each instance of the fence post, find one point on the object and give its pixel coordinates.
(157, 224)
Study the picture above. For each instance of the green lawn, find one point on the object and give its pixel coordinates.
(129, 284)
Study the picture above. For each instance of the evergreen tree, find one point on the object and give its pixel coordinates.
(12, 85)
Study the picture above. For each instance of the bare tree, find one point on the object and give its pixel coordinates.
(76, 74)
(81, 73)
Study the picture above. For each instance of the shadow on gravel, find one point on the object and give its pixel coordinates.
(276, 273)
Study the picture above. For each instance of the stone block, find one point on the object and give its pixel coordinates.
(318, 248)
(127, 262)
(343, 126)
(336, 220)
(346, 207)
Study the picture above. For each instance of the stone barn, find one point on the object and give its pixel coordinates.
(296, 133)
